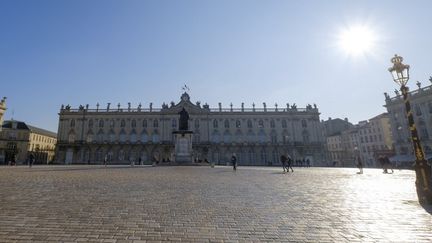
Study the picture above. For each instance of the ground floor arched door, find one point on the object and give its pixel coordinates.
(69, 156)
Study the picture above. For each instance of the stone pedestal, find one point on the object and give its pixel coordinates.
(183, 147)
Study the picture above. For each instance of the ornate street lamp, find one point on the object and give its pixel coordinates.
(400, 73)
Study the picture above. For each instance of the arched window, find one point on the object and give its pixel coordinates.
(111, 136)
(272, 123)
(227, 137)
(263, 156)
(226, 123)
(197, 125)
(174, 123)
(418, 110)
(101, 123)
(71, 136)
(261, 124)
(133, 123)
(261, 136)
(72, 123)
(197, 137)
(305, 135)
(144, 137)
(121, 155)
(215, 136)
(112, 123)
(275, 157)
(239, 136)
(144, 123)
(122, 136)
(249, 124)
(215, 123)
(285, 137)
(155, 123)
(100, 136)
(89, 136)
(90, 123)
(250, 137)
(122, 123)
(238, 124)
(99, 154)
(304, 123)
(133, 136)
(251, 157)
(155, 137)
(273, 136)
(284, 124)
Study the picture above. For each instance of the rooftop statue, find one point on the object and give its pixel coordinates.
(3, 101)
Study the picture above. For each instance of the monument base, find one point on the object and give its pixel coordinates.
(183, 148)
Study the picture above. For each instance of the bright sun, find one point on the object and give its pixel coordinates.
(357, 40)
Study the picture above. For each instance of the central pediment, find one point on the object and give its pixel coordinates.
(187, 105)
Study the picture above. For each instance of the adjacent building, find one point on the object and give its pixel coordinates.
(335, 151)
(332, 130)
(258, 136)
(335, 126)
(18, 140)
(375, 139)
(367, 139)
(421, 106)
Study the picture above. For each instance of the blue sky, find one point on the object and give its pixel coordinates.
(84, 52)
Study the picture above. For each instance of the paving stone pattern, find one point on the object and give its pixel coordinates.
(203, 204)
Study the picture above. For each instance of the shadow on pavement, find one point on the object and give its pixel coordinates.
(87, 168)
(428, 208)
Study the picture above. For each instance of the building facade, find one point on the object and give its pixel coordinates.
(367, 139)
(421, 106)
(258, 136)
(18, 140)
(335, 126)
(335, 150)
(375, 139)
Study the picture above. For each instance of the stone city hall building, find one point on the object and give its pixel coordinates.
(258, 136)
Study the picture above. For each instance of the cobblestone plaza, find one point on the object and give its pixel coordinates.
(203, 204)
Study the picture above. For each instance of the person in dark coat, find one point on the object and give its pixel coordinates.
(284, 160)
(387, 164)
(359, 164)
(31, 160)
(289, 162)
(234, 161)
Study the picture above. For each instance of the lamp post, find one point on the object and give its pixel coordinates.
(400, 73)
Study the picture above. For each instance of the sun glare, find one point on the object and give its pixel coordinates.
(357, 40)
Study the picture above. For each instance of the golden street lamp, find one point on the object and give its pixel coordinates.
(400, 73)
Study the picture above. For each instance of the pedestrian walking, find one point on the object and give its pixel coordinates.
(359, 165)
(387, 164)
(105, 161)
(283, 160)
(140, 161)
(234, 161)
(31, 160)
(289, 162)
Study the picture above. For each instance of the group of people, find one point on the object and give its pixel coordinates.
(382, 159)
(385, 164)
(286, 162)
